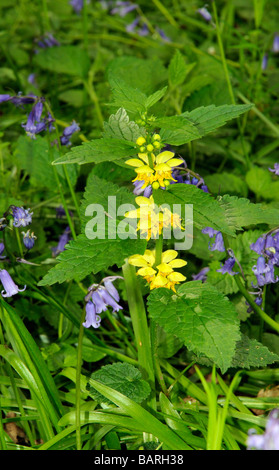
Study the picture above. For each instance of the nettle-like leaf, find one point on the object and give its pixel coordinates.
(240, 212)
(188, 126)
(68, 59)
(91, 253)
(201, 316)
(250, 353)
(119, 126)
(206, 210)
(34, 156)
(177, 69)
(124, 378)
(99, 150)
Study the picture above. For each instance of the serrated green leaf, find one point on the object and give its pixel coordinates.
(132, 99)
(261, 183)
(97, 151)
(125, 378)
(240, 212)
(69, 59)
(200, 316)
(155, 97)
(177, 69)
(34, 157)
(223, 282)
(83, 257)
(206, 212)
(178, 130)
(250, 353)
(119, 126)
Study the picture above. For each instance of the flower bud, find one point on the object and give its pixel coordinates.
(149, 147)
(140, 141)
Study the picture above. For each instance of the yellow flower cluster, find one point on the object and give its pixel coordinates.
(155, 170)
(152, 169)
(152, 219)
(163, 274)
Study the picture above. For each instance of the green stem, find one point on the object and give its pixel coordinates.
(78, 390)
(140, 326)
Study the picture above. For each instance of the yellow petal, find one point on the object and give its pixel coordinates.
(169, 255)
(132, 214)
(144, 201)
(177, 263)
(176, 277)
(146, 271)
(134, 162)
(164, 156)
(143, 157)
(144, 169)
(137, 260)
(174, 162)
(164, 268)
(158, 281)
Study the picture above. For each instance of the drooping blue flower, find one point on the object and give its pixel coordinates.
(205, 13)
(35, 124)
(91, 318)
(138, 189)
(99, 298)
(264, 272)
(201, 276)
(275, 170)
(258, 300)
(218, 244)
(63, 240)
(123, 8)
(4, 98)
(210, 231)
(19, 100)
(48, 40)
(227, 267)
(265, 62)
(29, 239)
(2, 248)
(275, 45)
(22, 217)
(259, 245)
(162, 34)
(68, 132)
(10, 288)
(269, 440)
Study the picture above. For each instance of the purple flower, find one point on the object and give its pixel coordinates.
(218, 244)
(210, 232)
(91, 319)
(227, 267)
(138, 189)
(63, 240)
(205, 14)
(100, 297)
(264, 272)
(258, 301)
(47, 41)
(4, 98)
(259, 245)
(275, 45)
(201, 276)
(22, 217)
(275, 170)
(29, 239)
(10, 288)
(123, 8)
(2, 248)
(269, 440)
(163, 35)
(34, 124)
(130, 28)
(68, 132)
(264, 62)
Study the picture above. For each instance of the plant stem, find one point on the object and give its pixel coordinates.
(78, 373)
(140, 326)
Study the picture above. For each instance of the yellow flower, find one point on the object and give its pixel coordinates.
(152, 219)
(161, 172)
(162, 275)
